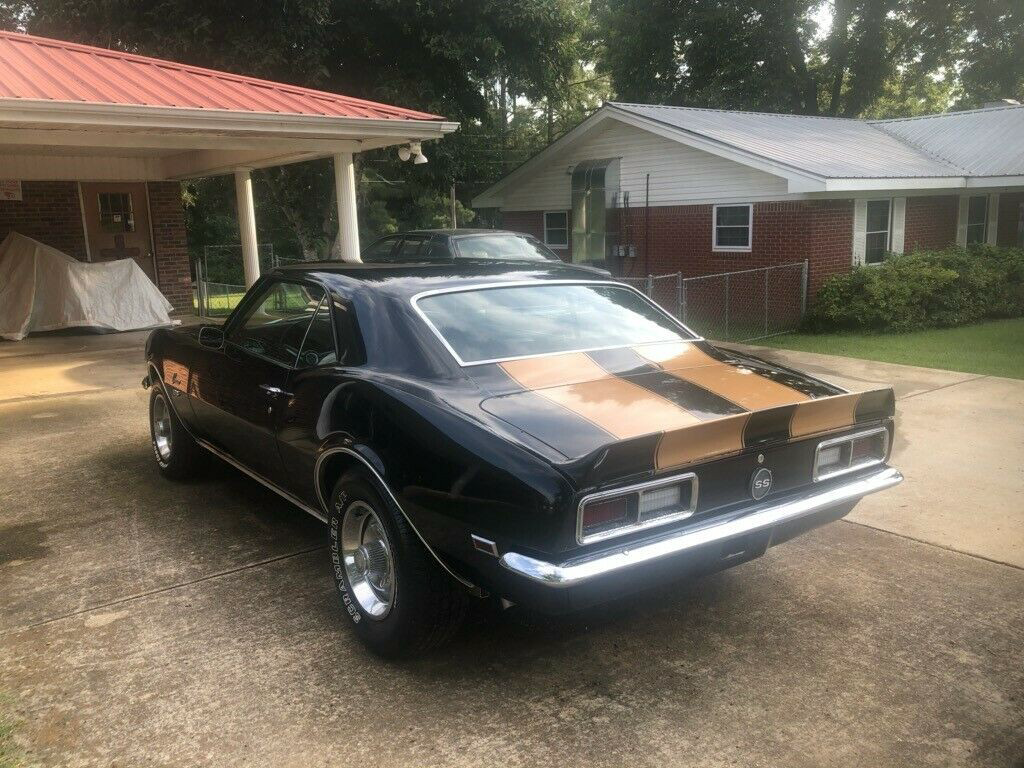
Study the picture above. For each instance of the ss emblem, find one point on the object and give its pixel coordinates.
(761, 483)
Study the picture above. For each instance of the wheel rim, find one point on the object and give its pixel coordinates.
(161, 428)
(369, 565)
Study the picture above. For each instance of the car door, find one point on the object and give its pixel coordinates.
(322, 394)
(242, 386)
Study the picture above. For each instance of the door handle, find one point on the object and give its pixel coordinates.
(274, 391)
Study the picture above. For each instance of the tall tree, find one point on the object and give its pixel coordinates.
(774, 55)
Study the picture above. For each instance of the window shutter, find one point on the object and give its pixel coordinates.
(899, 217)
(961, 221)
(991, 231)
(860, 226)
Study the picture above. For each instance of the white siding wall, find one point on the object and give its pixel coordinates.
(84, 167)
(679, 175)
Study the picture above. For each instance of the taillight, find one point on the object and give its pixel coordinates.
(852, 452)
(616, 513)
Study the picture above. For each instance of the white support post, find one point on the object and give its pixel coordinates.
(247, 226)
(345, 193)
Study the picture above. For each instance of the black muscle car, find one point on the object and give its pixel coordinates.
(532, 432)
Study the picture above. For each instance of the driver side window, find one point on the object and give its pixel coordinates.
(318, 347)
(276, 324)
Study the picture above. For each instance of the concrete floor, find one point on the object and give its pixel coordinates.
(144, 622)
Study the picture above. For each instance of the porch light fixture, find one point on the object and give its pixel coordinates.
(414, 151)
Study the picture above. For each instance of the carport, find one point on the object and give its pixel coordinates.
(93, 143)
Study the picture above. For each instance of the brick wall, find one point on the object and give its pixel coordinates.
(50, 213)
(930, 222)
(680, 237)
(1010, 214)
(169, 242)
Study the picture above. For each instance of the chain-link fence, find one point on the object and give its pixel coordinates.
(220, 277)
(737, 306)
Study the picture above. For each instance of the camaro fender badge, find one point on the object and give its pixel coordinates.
(761, 483)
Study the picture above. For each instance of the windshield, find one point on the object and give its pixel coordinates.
(503, 247)
(491, 324)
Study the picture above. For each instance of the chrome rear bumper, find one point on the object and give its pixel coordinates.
(578, 571)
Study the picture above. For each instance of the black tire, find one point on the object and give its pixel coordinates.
(427, 606)
(179, 457)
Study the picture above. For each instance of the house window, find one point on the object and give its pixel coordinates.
(734, 225)
(977, 219)
(556, 229)
(116, 212)
(876, 239)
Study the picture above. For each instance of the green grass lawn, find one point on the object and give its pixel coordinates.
(995, 347)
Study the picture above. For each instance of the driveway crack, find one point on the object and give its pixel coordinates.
(161, 590)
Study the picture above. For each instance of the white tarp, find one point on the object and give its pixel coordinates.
(42, 289)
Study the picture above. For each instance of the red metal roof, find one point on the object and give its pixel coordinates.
(43, 69)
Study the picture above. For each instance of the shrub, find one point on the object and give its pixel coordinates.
(923, 289)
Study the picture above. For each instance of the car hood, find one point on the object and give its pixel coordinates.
(661, 406)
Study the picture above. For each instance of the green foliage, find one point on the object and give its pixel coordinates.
(924, 289)
(874, 57)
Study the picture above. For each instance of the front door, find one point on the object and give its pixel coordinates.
(239, 390)
(117, 223)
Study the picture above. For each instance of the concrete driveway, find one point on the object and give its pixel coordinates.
(149, 623)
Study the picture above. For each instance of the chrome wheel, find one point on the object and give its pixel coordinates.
(161, 418)
(369, 566)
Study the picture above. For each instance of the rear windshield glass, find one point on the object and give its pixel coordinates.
(504, 247)
(490, 324)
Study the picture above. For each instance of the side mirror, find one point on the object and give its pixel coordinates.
(211, 336)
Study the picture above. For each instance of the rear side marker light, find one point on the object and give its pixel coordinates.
(850, 453)
(616, 513)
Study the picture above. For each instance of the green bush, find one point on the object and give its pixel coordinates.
(923, 289)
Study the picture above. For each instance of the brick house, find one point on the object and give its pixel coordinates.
(94, 144)
(649, 189)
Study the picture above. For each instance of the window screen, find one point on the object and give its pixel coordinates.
(556, 229)
(732, 227)
(977, 219)
(876, 240)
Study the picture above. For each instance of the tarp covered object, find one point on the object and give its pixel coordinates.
(42, 289)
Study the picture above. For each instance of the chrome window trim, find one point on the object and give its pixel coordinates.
(414, 301)
(640, 525)
(816, 477)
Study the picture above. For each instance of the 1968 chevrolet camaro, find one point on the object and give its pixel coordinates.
(533, 432)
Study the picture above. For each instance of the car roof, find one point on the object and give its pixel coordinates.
(408, 279)
(458, 232)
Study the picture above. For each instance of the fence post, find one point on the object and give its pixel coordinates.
(683, 289)
(803, 290)
(726, 305)
(200, 288)
(766, 300)
(650, 286)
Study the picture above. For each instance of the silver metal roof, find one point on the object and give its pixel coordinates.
(981, 142)
(986, 142)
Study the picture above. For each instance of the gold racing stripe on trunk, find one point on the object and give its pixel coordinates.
(736, 384)
(618, 406)
(701, 441)
(824, 414)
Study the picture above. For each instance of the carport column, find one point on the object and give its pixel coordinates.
(345, 193)
(247, 226)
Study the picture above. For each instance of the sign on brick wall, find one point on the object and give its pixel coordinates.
(10, 189)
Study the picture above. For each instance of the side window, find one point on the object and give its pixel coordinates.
(275, 325)
(380, 251)
(318, 347)
(436, 250)
(409, 250)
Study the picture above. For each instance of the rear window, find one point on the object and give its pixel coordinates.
(492, 324)
(502, 247)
